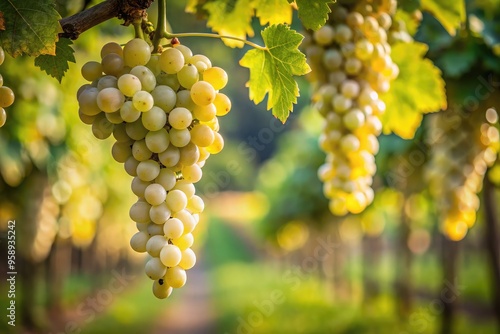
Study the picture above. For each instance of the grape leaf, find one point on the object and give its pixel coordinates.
(273, 11)
(313, 13)
(272, 69)
(230, 18)
(57, 65)
(418, 89)
(31, 27)
(451, 14)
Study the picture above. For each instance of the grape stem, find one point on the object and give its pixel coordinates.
(161, 26)
(138, 30)
(196, 34)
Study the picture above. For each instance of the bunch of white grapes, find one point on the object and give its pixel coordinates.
(6, 94)
(162, 110)
(463, 146)
(351, 65)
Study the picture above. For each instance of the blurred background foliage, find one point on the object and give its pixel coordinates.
(272, 259)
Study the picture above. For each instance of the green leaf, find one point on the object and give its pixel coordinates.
(272, 69)
(455, 62)
(273, 11)
(451, 14)
(418, 89)
(313, 13)
(230, 18)
(32, 27)
(57, 65)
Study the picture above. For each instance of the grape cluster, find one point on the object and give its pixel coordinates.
(6, 94)
(463, 146)
(162, 110)
(351, 65)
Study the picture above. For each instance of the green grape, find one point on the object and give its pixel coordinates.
(184, 100)
(155, 269)
(155, 243)
(187, 220)
(6, 97)
(188, 259)
(184, 242)
(170, 157)
(102, 128)
(196, 59)
(171, 61)
(130, 166)
(88, 102)
(145, 76)
(324, 35)
(170, 255)
(188, 75)
(110, 99)
(129, 113)
(111, 47)
(205, 113)
(179, 138)
(180, 118)
(189, 154)
(202, 93)
(3, 117)
(148, 170)
(112, 64)
(202, 135)
(129, 84)
(136, 130)
(159, 214)
(155, 194)
(138, 241)
(121, 151)
(139, 212)
(176, 200)
(107, 81)
(196, 204)
(92, 70)
(155, 119)
(186, 52)
(215, 76)
(139, 186)
(2, 55)
(176, 276)
(166, 178)
(222, 104)
(173, 228)
(157, 141)
(141, 151)
(136, 52)
(164, 97)
(143, 101)
(191, 173)
(217, 145)
(161, 290)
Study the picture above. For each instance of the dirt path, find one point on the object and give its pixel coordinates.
(193, 312)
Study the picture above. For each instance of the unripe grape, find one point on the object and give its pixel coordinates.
(171, 61)
(136, 52)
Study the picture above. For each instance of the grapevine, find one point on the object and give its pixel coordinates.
(351, 65)
(6, 94)
(162, 110)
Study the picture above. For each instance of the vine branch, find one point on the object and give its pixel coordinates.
(128, 10)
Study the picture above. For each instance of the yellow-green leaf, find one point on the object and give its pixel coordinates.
(451, 13)
(231, 18)
(419, 89)
(313, 13)
(273, 11)
(272, 69)
(57, 65)
(31, 27)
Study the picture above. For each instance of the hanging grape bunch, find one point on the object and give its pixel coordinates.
(462, 149)
(351, 65)
(162, 110)
(6, 94)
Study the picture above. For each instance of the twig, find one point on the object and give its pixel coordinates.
(128, 10)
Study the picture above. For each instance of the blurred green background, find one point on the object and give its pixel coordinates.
(271, 259)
